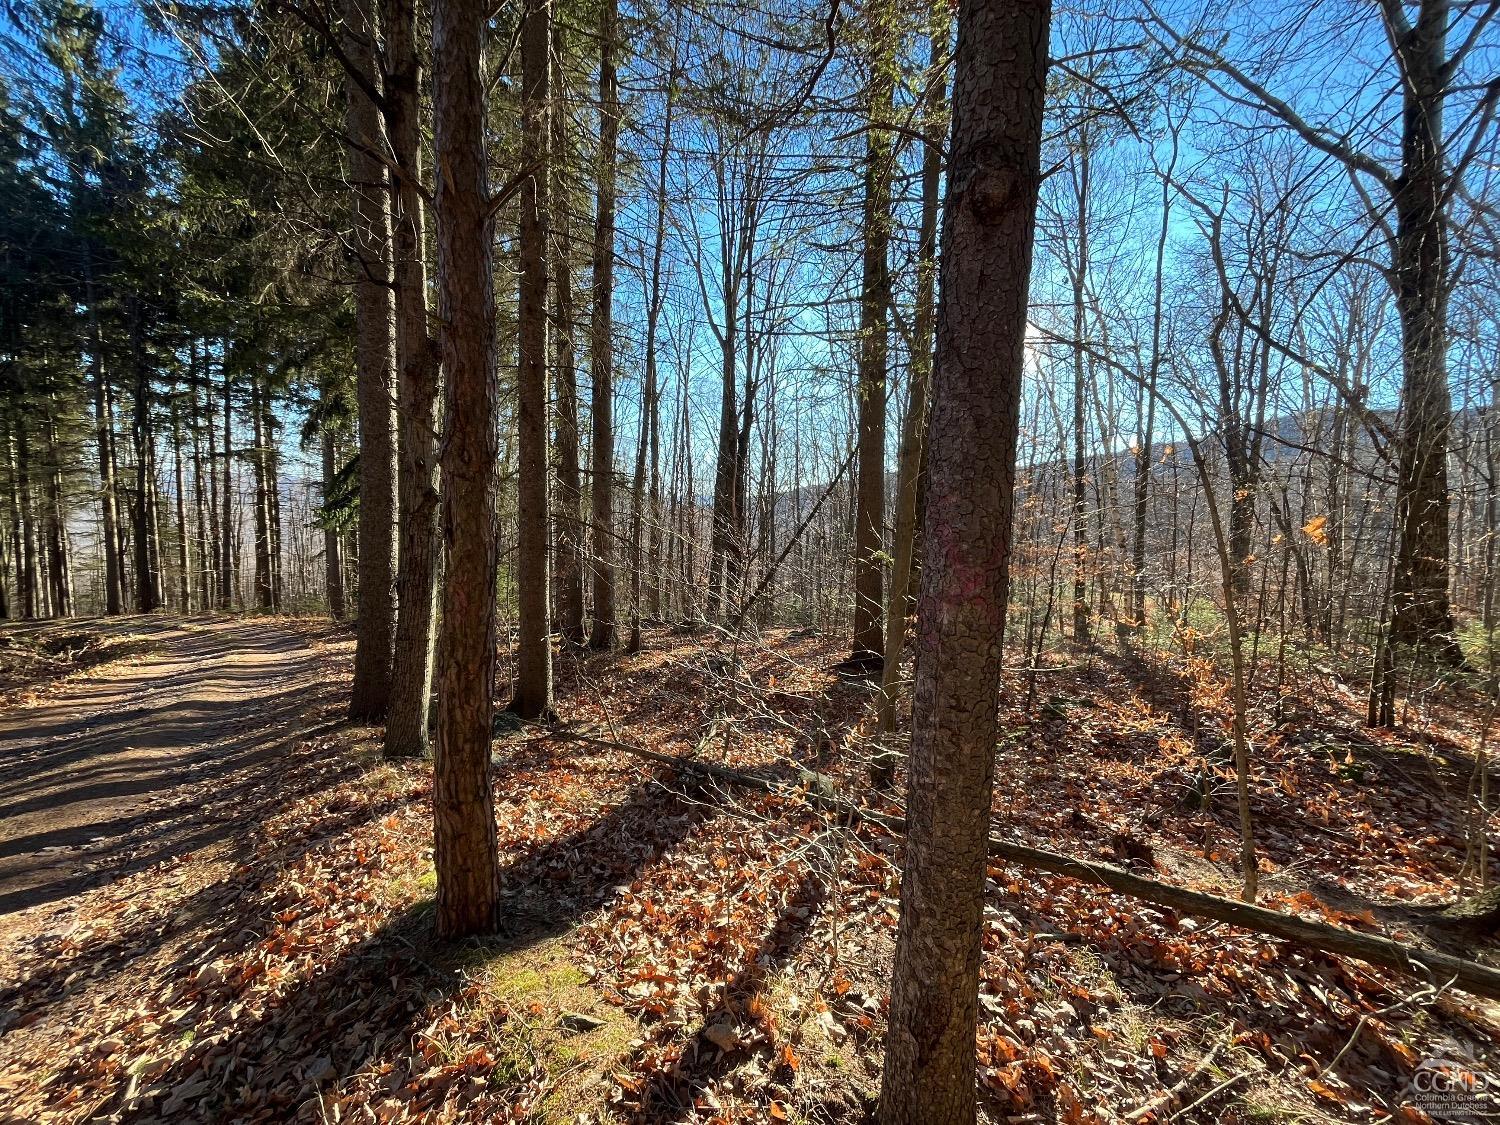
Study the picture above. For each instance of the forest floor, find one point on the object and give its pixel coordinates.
(234, 923)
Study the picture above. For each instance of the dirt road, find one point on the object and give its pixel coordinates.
(153, 758)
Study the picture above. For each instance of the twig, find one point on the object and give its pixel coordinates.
(1171, 1097)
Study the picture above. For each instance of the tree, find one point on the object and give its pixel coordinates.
(375, 352)
(988, 229)
(601, 340)
(1420, 191)
(532, 697)
(914, 424)
(883, 39)
(465, 852)
(406, 732)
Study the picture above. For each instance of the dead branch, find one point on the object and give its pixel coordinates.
(1441, 970)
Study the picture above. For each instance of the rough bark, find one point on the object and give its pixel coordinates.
(988, 229)
(407, 732)
(465, 852)
(1420, 600)
(601, 341)
(532, 697)
(568, 533)
(374, 352)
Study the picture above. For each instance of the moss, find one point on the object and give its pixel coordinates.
(530, 992)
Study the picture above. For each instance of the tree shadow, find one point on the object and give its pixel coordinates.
(669, 1095)
(93, 796)
(367, 1015)
(214, 912)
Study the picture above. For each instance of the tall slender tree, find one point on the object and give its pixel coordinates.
(465, 852)
(532, 697)
(601, 339)
(406, 732)
(988, 229)
(375, 358)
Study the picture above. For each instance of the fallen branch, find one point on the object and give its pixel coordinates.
(1440, 970)
(1172, 1098)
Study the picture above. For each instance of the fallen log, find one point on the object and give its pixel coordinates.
(1440, 970)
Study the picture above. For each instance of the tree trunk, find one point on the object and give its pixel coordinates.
(179, 487)
(407, 732)
(59, 550)
(723, 548)
(374, 351)
(201, 510)
(114, 582)
(226, 519)
(989, 223)
(1147, 404)
(1422, 614)
(26, 546)
(273, 497)
(147, 590)
(874, 314)
(263, 599)
(567, 522)
(333, 543)
(601, 342)
(1080, 269)
(646, 445)
(914, 425)
(532, 697)
(465, 851)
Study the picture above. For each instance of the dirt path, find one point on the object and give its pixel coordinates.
(140, 761)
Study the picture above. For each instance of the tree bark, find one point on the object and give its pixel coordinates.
(114, 580)
(263, 598)
(465, 851)
(914, 425)
(59, 550)
(1421, 611)
(26, 545)
(601, 341)
(532, 697)
(333, 543)
(1082, 171)
(646, 445)
(407, 732)
(568, 534)
(200, 500)
(226, 519)
(988, 228)
(179, 483)
(874, 347)
(374, 350)
(147, 579)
